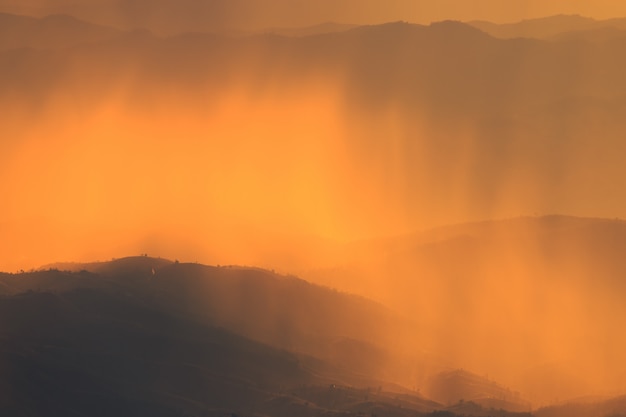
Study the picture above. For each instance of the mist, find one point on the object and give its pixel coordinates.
(345, 157)
(277, 139)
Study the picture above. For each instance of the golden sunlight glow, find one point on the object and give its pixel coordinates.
(353, 163)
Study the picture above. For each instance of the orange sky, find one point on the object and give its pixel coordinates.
(122, 168)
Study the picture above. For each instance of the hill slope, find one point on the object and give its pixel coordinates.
(91, 353)
(548, 27)
(107, 343)
(534, 302)
(350, 332)
(55, 31)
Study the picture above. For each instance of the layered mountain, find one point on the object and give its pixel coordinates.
(54, 31)
(320, 29)
(350, 332)
(440, 120)
(232, 145)
(537, 296)
(586, 407)
(145, 336)
(94, 353)
(457, 387)
(551, 27)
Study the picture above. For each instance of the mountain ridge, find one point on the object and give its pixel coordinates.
(255, 303)
(549, 27)
(55, 31)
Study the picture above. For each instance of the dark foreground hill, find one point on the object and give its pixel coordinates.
(285, 312)
(89, 353)
(130, 340)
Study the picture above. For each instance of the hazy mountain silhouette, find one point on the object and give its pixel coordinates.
(56, 31)
(565, 268)
(547, 27)
(131, 339)
(597, 35)
(320, 29)
(182, 15)
(351, 332)
(447, 67)
(479, 122)
(536, 28)
(459, 386)
(387, 127)
(586, 407)
(173, 17)
(516, 117)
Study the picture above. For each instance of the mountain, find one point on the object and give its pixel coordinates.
(320, 29)
(88, 352)
(168, 17)
(471, 284)
(458, 386)
(123, 341)
(448, 68)
(596, 35)
(547, 27)
(351, 332)
(51, 32)
(442, 123)
(373, 129)
(480, 125)
(586, 407)
(536, 28)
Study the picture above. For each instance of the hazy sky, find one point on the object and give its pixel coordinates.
(177, 141)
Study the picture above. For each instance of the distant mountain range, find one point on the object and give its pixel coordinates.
(322, 28)
(516, 116)
(550, 270)
(552, 27)
(481, 127)
(56, 31)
